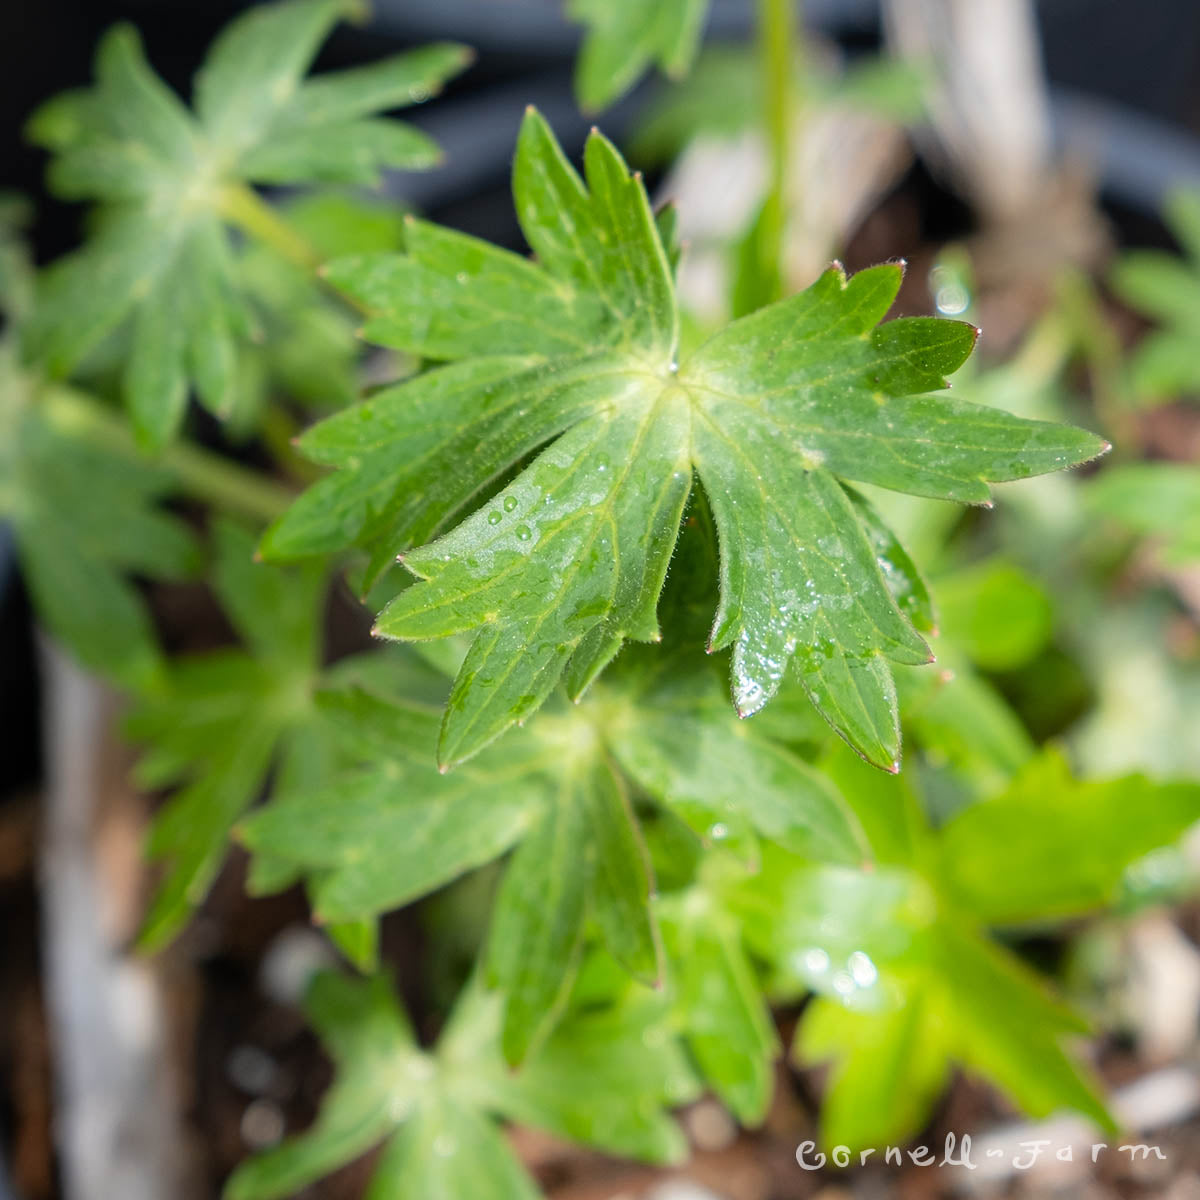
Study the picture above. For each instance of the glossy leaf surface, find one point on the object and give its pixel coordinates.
(573, 359)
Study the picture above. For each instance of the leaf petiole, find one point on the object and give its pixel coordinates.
(199, 474)
(246, 210)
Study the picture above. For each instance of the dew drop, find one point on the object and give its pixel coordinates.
(862, 969)
(524, 532)
(494, 518)
(510, 502)
(816, 960)
(843, 983)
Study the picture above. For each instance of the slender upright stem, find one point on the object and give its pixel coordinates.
(242, 207)
(199, 474)
(777, 32)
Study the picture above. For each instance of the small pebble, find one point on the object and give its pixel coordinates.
(710, 1127)
(681, 1189)
(291, 960)
(250, 1069)
(262, 1124)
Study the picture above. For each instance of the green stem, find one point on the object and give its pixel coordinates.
(199, 474)
(777, 32)
(278, 432)
(242, 207)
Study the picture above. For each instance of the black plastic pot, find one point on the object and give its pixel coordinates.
(6, 1192)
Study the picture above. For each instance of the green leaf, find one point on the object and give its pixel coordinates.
(889, 1067)
(1052, 847)
(384, 836)
(585, 856)
(900, 573)
(308, 349)
(725, 1018)
(565, 562)
(834, 931)
(678, 741)
(190, 832)
(224, 719)
(446, 1152)
(996, 614)
(1182, 211)
(1008, 1028)
(538, 921)
(968, 1002)
(85, 517)
(358, 941)
(907, 983)
(1160, 500)
(254, 67)
(877, 946)
(604, 1078)
(964, 722)
(1167, 289)
(16, 262)
(624, 38)
(167, 182)
(382, 1076)
(622, 880)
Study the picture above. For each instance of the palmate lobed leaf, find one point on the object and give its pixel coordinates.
(572, 358)
(86, 517)
(605, 1079)
(904, 988)
(559, 794)
(908, 982)
(1051, 847)
(222, 721)
(166, 178)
